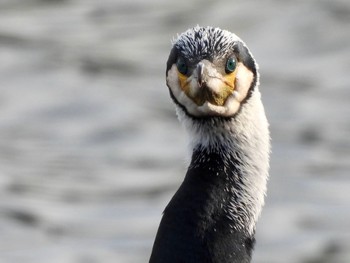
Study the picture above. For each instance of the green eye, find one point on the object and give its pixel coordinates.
(181, 65)
(231, 65)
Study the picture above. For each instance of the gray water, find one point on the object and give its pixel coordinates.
(91, 150)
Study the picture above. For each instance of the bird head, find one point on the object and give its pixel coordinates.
(210, 72)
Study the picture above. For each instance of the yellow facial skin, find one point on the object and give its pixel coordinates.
(184, 83)
(225, 85)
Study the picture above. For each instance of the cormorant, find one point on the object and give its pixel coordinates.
(213, 80)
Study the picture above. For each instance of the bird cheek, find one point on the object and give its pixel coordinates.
(183, 82)
(189, 86)
(229, 80)
(243, 82)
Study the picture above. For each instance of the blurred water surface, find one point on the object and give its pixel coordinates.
(90, 148)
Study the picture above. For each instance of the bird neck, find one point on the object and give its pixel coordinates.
(235, 154)
(209, 217)
(228, 196)
(212, 216)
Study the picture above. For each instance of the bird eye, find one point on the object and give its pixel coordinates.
(231, 65)
(181, 65)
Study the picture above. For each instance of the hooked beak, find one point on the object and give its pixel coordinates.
(206, 84)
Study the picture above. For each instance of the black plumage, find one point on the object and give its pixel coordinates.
(195, 226)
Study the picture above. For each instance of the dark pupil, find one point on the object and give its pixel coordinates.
(231, 65)
(181, 66)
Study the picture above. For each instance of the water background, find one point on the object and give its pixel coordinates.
(91, 150)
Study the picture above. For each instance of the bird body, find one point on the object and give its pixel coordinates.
(213, 80)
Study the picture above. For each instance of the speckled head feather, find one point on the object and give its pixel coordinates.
(199, 43)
